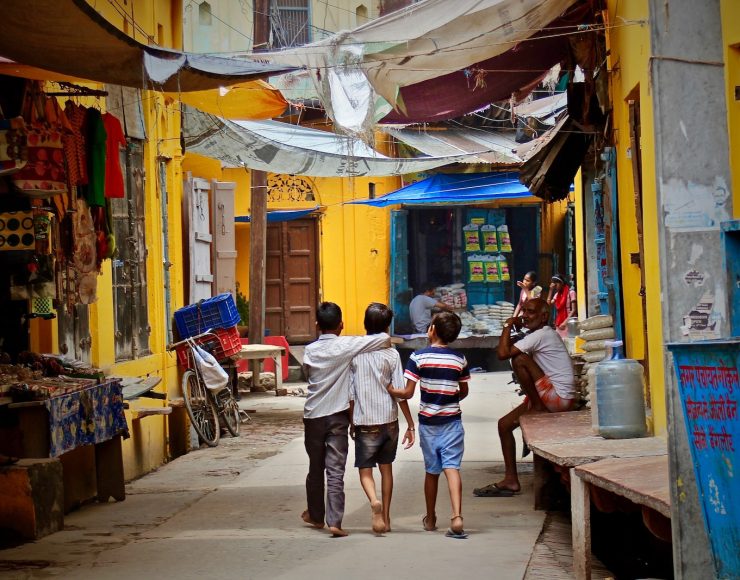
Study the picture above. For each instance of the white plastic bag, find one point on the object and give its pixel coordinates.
(212, 373)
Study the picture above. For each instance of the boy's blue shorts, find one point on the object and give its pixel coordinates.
(442, 445)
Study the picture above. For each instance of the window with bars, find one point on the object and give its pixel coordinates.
(131, 319)
(289, 21)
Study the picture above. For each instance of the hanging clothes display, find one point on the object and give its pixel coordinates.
(115, 140)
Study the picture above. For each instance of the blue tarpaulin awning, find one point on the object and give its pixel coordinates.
(279, 216)
(448, 188)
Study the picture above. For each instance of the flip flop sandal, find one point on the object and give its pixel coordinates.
(494, 491)
(426, 528)
(458, 535)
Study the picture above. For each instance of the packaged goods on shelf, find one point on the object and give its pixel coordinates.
(490, 238)
(504, 241)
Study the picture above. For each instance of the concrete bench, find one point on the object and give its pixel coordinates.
(634, 469)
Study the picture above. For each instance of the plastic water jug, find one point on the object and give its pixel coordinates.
(618, 404)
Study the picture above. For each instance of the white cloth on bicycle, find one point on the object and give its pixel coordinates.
(212, 373)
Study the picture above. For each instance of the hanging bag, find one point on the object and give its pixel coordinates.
(44, 174)
(212, 373)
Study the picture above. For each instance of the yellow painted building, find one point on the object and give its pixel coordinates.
(148, 447)
(629, 65)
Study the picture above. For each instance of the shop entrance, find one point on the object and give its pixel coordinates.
(429, 245)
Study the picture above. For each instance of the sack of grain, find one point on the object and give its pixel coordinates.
(598, 321)
(594, 345)
(597, 334)
(594, 356)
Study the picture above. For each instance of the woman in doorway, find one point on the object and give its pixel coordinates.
(563, 298)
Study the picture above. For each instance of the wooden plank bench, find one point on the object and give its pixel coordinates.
(636, 469)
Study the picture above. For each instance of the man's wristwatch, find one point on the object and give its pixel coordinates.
(410, 429)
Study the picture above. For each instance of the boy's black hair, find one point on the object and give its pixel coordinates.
(377, 318)
(426, 286)
(447, 325)
(532, 275)
(328, 316)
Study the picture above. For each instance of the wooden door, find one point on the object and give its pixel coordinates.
(199, 244)
(291, 280)
(224, 238)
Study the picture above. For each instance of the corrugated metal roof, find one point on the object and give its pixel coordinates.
(494, 148)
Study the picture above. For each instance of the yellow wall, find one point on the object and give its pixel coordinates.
(156, 21)
(731, 37)
(628, 63)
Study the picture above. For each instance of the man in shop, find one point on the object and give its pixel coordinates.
(544, 371)
(420, 309)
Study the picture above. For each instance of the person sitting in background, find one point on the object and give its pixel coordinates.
(420, 309)
(527, 285)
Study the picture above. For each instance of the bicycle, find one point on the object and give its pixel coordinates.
(206, 409)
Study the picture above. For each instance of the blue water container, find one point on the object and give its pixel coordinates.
(618, 411)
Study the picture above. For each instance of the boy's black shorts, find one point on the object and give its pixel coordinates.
(375, 444)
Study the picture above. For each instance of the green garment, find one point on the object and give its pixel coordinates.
(96, 144)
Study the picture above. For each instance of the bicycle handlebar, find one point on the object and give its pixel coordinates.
(174, 345)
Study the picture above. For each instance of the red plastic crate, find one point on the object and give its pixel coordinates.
(224, 344)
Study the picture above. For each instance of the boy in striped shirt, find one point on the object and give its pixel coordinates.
(374, 416)
(443, 377)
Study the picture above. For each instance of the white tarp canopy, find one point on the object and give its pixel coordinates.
(283, 148)
(423, 41)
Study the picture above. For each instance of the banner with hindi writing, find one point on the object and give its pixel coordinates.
(709, 387)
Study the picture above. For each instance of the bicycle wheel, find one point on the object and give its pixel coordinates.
(230, 410)
(201, 408)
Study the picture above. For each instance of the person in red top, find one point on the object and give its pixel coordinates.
(563, 297)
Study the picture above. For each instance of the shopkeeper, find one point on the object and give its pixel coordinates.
(421, 308)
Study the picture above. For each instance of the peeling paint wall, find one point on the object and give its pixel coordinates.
(694, 195)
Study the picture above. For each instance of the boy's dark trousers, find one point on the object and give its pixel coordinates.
(327, 444)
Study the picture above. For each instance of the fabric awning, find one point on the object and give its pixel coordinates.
(552, 160)
(438, 59)
(70, 37)
(498, 147)
(279, 215)
(454, 188)
(283, 148)
(250, 100)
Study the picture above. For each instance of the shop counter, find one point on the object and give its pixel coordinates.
(79, 428)
(480, 351)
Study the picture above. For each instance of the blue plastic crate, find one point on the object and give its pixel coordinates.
(217, 312)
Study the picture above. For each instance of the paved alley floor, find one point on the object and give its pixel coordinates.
(234, 512)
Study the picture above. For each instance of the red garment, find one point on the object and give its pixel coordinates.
(562, 305)
(114, 141)
(77, 155)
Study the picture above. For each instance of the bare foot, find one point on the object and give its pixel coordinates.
(306, 517)
(429, 523)
(337, 532)
(387, 524)
(378, 523)
(456, 524)
(512, 485)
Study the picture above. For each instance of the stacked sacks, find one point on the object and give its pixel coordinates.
(453, 295)
(594, 332)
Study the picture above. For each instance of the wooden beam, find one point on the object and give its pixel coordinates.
(580, 517)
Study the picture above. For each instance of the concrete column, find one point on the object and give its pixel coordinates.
(693, 196)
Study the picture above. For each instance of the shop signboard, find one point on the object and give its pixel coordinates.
(709, 387)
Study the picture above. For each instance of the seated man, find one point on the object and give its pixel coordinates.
(544, 371)
(420, 309)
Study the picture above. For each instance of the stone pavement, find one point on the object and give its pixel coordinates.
(234, 512)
